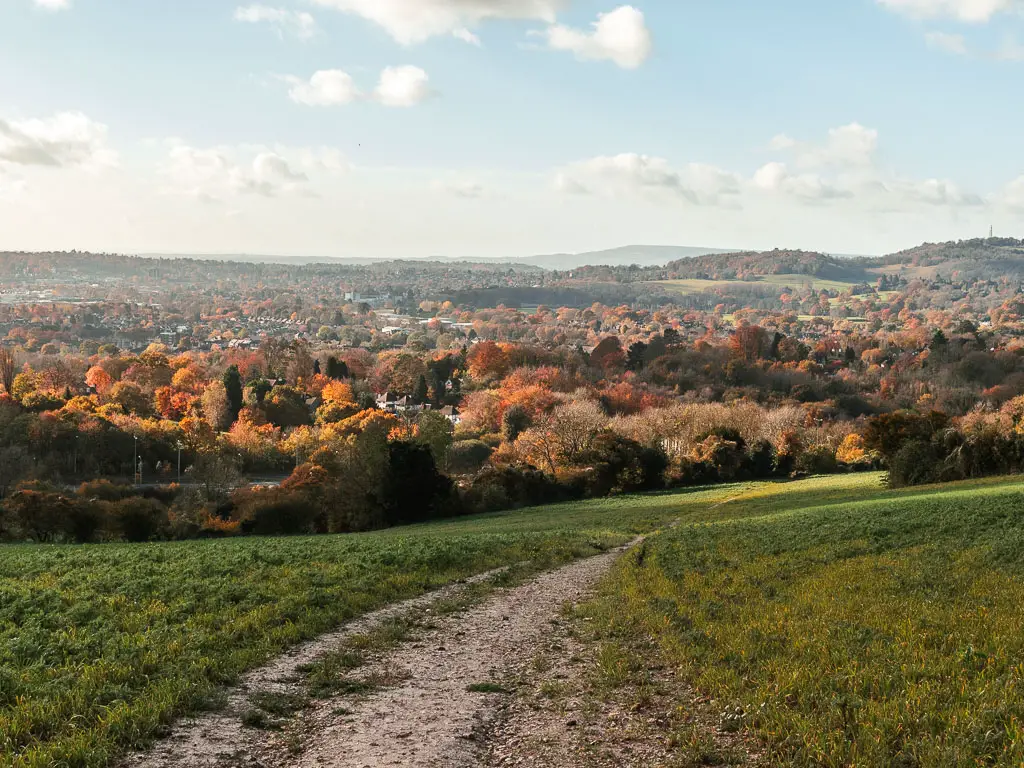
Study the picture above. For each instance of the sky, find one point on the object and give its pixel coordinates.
(507, 128)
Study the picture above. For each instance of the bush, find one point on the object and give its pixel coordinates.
(620, 465)
(916, 463)
(137, 519)
(467, 456)
(759, 462)
(104, 490)
(817, 460)
(39, 515)
(512, 488)
(276, 512)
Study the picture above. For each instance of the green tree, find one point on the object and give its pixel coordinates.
(435, 431)
(233, 387)
(336, 369)
(514, 422)
(421, 393)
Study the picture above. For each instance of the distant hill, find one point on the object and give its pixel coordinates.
(981, 258)
(624, 256)
(642, 255)
(251, 258)
(750, 265)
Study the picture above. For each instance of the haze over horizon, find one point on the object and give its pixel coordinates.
(486, 129)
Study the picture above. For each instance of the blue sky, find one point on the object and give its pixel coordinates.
(507, 127)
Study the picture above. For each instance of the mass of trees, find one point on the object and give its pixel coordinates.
(308, 425)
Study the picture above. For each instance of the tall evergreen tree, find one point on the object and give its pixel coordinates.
(233, 387)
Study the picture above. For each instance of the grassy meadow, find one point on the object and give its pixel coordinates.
(847, 623)
(102, 646)
(693, 285)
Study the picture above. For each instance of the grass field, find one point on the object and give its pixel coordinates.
(102, 646)
(688, 286)
(849, 624)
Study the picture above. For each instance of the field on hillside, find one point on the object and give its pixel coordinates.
(689, 286)
(841, 622)
(102, 646)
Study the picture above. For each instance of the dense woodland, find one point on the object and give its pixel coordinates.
(150, 399)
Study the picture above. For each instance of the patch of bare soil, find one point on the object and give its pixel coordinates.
(584, 703)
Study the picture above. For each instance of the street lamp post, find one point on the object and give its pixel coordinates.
(179, 461)
(135, 462)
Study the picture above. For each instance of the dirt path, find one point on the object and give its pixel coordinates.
(219, 739)
(434, 709)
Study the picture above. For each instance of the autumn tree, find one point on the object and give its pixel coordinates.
(749, 343)
(487, 361)
(216, 409)
(608, 354)
(574, 427)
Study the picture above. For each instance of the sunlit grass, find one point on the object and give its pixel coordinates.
(851, 624)
(102, 646)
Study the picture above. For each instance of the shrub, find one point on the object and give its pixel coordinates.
(816, 460)
(276, 512)
(511, 488)
(620, 465)
(137, 519)
(41, 515)
(105, 490)
(916, 463)
(759, 462)
(468, 456)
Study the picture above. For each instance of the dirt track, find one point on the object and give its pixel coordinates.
(425, 716)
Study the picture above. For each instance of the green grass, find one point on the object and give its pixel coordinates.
(849, 624)
(487, 688)
(102, 646)
(795, 282)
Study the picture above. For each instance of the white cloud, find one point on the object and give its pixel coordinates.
(414, 21)
(297, 23)
(326, 88)
(973, 11)
(771, 176)
(397, 87)
(567, 185)
(53, 5)
(68, 139)
(635, 174)
(841, 170)
(807, 187)
(466, 36)
(848, 146)
(1010, 50)
(1012, 195)
(323, 159)
(939, 192)
(620, 36)
(402, 87)
(217, 173)
(941, 41)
